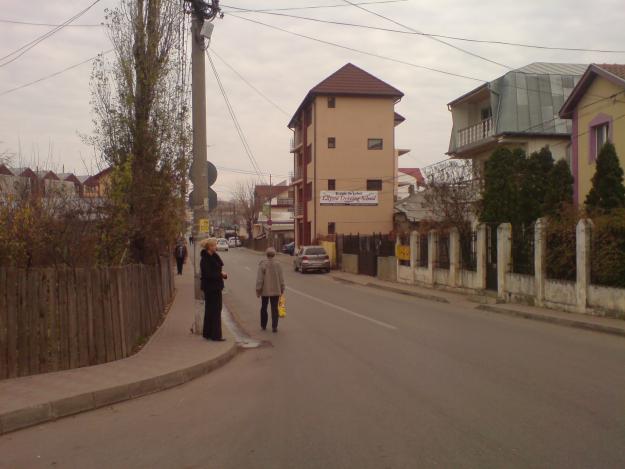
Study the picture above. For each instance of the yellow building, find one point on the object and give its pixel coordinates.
(517, 110)
(345, 161)
(597, 109)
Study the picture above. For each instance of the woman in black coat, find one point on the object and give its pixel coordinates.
(212, 285)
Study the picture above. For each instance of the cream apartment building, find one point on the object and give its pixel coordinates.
(345, 162)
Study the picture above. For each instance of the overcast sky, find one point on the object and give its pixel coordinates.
(45, 119)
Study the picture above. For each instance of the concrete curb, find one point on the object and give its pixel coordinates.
(401, 291)
(53, 410)
(554, 320)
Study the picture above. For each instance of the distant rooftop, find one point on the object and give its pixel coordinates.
(548, 68)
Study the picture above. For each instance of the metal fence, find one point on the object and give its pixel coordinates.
(423, 250)
(468, 251)
(523, 249)
(442, 258)
(368, 248)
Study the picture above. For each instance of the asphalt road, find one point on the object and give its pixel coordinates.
(362, 378)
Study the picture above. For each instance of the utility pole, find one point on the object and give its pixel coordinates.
(203, 13)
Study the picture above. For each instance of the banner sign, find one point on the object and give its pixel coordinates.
(348, 198)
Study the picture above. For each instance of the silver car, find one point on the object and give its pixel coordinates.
(308, 258)
(222, 244)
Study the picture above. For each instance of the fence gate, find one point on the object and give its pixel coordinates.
(367, 257)
(491, 257)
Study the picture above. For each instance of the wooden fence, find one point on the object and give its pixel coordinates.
(60, 318)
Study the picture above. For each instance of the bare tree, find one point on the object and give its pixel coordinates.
(141, 124)
(451, 192)
(6, 156)
(243, 197)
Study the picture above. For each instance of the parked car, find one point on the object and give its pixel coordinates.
(310, 258)
(232, 243)
(289, 248)
(222, 244)
(239, 242)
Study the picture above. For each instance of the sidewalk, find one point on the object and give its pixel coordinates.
(172, 357)
(580, 321)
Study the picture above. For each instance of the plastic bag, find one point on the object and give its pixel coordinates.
(282, 306)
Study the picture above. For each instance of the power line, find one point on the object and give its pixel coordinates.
(52, 75)
(26, 47)
(352, 49)
(273, 12)
(313, 7)
(235, 120)
(28, 23)
(430, 37)
(263, 95)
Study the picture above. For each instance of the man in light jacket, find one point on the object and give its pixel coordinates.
(269, 287)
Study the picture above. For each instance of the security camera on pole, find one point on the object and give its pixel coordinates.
(203, 13)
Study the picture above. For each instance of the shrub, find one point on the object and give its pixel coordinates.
(608, 249)
(560, 258)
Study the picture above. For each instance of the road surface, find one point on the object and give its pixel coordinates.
(362, 378)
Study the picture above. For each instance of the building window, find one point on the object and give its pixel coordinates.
(331, 101)
(309, 191)
(331, 228)
(331, 142)
(374, 184)
(486, 113)
(602, 133)
(374, 144)
(308, 155)
(600, 130)
(331, 184)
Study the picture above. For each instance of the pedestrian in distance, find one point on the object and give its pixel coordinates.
(269, 287)
(180, 253)
(191, 240)
(212, 284)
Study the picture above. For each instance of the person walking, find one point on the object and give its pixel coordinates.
(180, 253)
(212, 284)
(269, 287)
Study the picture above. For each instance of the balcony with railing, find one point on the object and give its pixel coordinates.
(296, 142)
(475, 133)
(297, 175)
(299, 209)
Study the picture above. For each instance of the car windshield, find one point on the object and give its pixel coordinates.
(315, 251)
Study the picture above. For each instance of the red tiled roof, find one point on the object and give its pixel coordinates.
(614, 69)
(350, 80)
(415, 173)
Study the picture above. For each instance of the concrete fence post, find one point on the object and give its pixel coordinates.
(432, 254)
(454, 257)
(583, 237)
(414, 244)
(540, 251)
(504, 255)
(480, 255)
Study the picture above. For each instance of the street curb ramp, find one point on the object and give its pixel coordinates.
(54, 410)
